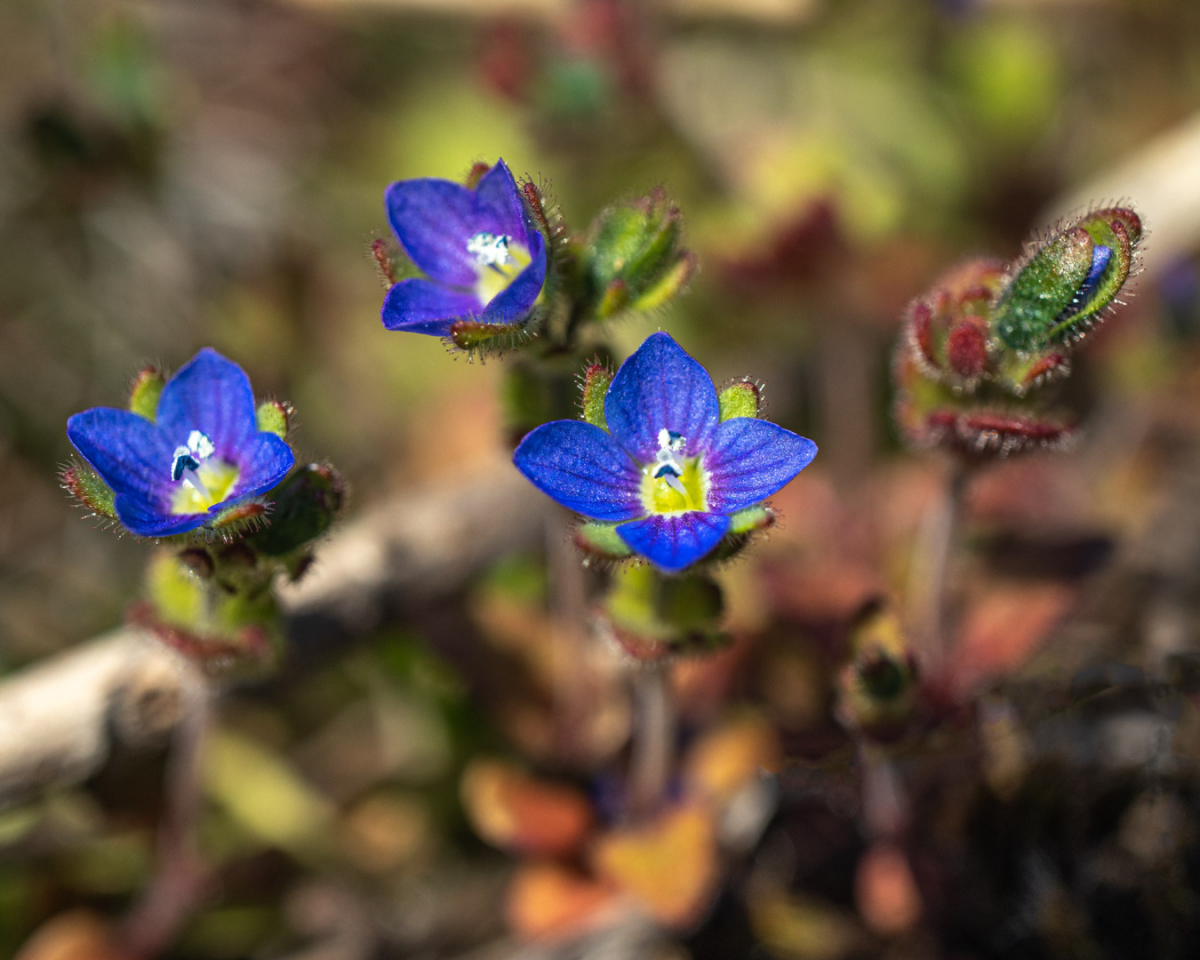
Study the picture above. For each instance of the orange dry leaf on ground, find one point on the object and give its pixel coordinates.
(668, 865)
(519, 813)
(551, 901)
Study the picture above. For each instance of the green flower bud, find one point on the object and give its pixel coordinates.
(222, 630)
(877, 688)
(1055, 296)
(306, 504)
(635, 261)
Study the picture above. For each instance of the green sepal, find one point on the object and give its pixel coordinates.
(670, 282)
(143, 395)
(654, 616)
(273, 417)
(613, 300)
(238, 519)
(306, 504)
(596, 381)
(750, 519)
(85, 485)
(740, 399)
(602, 540)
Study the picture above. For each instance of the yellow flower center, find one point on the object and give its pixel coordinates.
(201, 479)
(673, 484)
(498, 261)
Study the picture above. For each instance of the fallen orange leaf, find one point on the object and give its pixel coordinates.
(517, 812)
(668, 865)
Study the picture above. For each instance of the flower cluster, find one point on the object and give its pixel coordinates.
(978, 345)
(185, 461)
(665, 474)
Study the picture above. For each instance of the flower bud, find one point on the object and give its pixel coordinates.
(878, 685)
(306, 504)
(635, 259)
(1065, 284)
(979, 346)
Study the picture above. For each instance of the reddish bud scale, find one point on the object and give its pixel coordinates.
(920, 319)
(966, 348)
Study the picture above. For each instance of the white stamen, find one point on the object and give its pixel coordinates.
(200, 445)
(489, 250)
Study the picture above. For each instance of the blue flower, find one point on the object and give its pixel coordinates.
(667, 469)
(484, 258)
(201, 454)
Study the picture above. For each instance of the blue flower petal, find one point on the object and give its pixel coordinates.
(583, 468)
(675, 541)
(751, 459)
(129, 452)
(212, 395)
(263, 461)
(419, 306)
(499, 194)
(661, 386)
(513, 303)
(148, 520)
(434, 220)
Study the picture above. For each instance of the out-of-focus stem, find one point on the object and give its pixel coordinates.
(574, 692)
(653, 738)
(935, 545)
(180, 877)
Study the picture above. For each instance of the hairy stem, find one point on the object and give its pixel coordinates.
(653, 738)
(181, 877)
(928, 583)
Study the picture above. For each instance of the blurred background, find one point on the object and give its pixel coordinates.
(178, 174)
